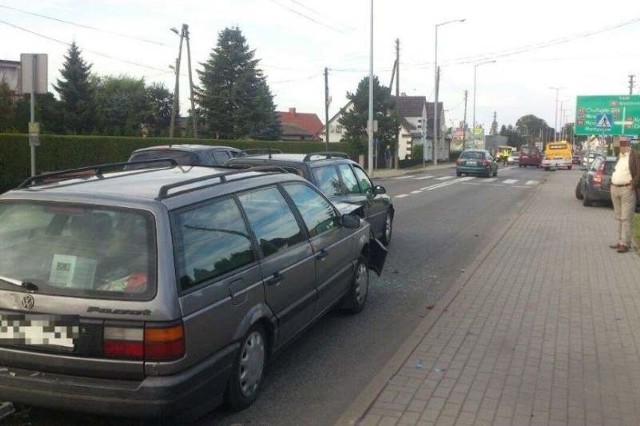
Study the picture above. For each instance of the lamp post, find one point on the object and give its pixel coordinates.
(436, 80)
(370, 121)
(475, 73)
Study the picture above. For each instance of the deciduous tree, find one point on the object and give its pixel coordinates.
(355, 120)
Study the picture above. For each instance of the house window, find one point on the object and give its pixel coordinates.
(338, 128)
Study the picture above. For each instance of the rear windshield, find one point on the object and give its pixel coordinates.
(78, 250)
(183, 158)
(472, 155)
(529, 150)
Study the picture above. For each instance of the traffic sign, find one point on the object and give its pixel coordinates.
(607, 115)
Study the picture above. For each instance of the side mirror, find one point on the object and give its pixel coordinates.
(350, 221)
(379, 189)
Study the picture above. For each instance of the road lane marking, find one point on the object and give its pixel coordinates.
(445, 177)
(404, 177)
(401, 196)
(489, 180)
(416, 191)
(532, 182)
(510, 181)
(424, 177)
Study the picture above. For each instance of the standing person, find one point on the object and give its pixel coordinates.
(623, 194)
(387, 157)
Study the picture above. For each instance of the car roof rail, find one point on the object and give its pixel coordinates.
(261, 151)
(325, 155)
(267, 168)
(97, 169)
(163, 193)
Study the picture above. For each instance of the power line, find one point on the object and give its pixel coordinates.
(84, 26)
(306, 16)
(84, 50)
(318, 13)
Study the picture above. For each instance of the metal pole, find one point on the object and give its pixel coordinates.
(326, 108)
(34, 85)
(370, 123)
(475, 70)
(435, 104)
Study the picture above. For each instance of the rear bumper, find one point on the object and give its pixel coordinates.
(473, 170)
(202, 386)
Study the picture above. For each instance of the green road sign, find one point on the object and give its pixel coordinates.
(607, 115)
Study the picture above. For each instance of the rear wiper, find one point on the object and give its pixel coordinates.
(27, 285)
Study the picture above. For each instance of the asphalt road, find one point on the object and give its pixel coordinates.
(442, 223)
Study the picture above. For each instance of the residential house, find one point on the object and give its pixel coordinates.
(410, 111)
(10, 73)
(299, 126)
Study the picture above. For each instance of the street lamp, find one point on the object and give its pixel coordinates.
(475, 72)
(435, 105)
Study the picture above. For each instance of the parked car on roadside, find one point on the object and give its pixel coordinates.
(594, 184)
(187, 154)
(339, 178)
(476, 162)
(159, 292)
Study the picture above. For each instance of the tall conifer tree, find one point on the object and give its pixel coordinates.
(76, 93)
(235, 99)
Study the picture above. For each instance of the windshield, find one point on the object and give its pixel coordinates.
(77, 250)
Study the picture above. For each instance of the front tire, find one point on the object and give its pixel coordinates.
(248, 369)
(388, 229)
(356, 299)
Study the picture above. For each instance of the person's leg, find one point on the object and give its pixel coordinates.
(628, 207)
(616, 200)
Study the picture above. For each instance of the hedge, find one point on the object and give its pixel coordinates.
(66, 152)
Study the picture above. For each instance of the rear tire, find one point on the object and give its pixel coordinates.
(248, 369)
(585, 200)
(579, 195)
(356, 299)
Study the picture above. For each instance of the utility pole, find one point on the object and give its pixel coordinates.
(176, 91)
(326, 107)
(631, 76)
(555, 128)
(396, 160)
(194, 120)
(464, 121)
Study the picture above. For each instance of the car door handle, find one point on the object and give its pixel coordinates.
(322, 254)
(275, 279)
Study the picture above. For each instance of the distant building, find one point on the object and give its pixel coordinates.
(10, 73)
(299, 126)
(410, 111)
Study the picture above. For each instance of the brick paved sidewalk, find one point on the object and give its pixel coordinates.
(543, 329)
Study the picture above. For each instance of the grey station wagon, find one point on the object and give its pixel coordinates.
(163, 291)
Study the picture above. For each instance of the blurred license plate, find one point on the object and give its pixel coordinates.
(471, 163)
(46, 331)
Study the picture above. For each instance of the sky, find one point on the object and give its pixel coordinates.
(546, 52)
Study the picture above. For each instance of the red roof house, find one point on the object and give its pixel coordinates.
(299, 125)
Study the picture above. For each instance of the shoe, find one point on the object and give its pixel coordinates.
(622, 249)
(615, 246)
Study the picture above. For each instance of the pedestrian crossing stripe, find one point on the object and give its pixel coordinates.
(445, 177)
(509, 181)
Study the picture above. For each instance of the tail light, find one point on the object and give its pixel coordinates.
(597, 176)
(154, 342)
(458, 162)
(485, 163)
